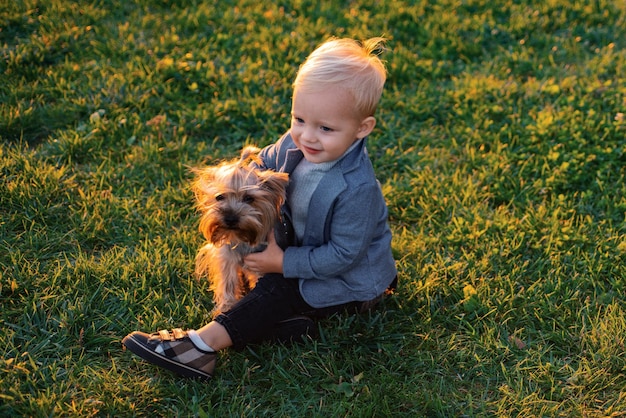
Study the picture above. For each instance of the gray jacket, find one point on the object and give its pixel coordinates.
(345, 254)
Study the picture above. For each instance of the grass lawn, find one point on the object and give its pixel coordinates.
(500, 145)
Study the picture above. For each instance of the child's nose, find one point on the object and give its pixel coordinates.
(308, 135)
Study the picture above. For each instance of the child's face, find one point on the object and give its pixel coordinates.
(324, 123)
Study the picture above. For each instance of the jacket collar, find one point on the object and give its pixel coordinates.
(348, 162)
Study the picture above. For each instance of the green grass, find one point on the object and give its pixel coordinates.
(501, 147)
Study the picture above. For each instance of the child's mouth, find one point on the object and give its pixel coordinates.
(311, 150)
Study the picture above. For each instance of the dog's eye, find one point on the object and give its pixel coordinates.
(248, 199)
(219, 197)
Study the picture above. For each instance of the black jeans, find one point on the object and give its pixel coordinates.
(259, 315)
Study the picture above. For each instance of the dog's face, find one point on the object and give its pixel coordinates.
(238, 202)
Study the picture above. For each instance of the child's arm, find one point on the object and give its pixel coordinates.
(358, 218)
(352, 233)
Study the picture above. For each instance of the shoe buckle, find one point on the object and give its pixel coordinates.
(165, 335)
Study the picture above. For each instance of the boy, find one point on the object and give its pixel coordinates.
(342, 256)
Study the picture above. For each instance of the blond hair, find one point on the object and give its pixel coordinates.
(349, 64)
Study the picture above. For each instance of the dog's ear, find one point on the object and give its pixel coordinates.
(249, 154)
(201, 185)
(204, 175)
(275, 182)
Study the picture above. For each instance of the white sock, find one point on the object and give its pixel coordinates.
(198, 342)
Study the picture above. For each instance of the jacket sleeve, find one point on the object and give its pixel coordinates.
(355, 220)
(272, 155)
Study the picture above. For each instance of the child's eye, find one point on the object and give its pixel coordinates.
(326, 129)
(298, 120)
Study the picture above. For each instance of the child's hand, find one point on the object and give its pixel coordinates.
(269, 260)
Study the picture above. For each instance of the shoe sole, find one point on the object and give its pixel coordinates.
(155, 358)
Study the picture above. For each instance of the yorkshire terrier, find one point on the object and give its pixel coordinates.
(239, 206)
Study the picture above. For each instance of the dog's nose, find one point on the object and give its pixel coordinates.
(231, 220)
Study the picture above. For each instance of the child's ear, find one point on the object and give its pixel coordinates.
(366, 127)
